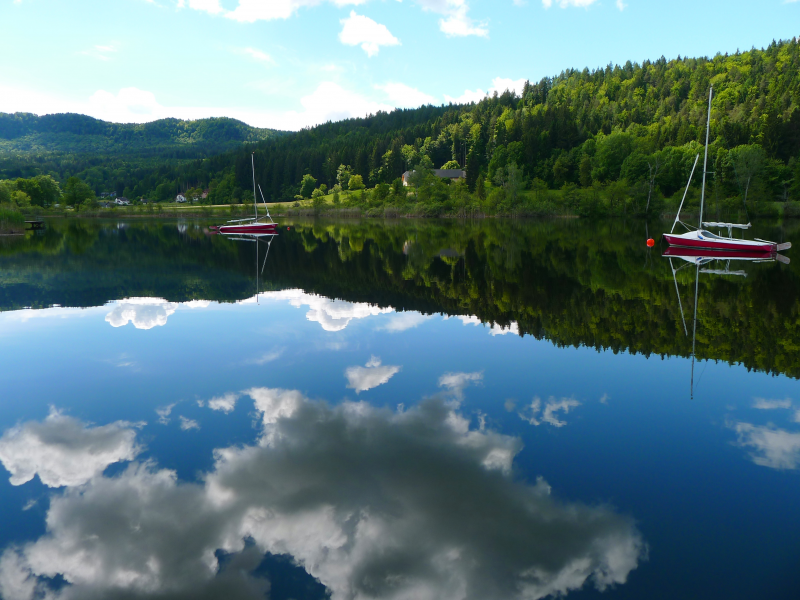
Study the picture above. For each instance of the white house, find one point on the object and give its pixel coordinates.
(451, 174)
(123, 201)
(180, 198)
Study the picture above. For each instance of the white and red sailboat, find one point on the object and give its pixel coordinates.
(699, 238)
(255, 225)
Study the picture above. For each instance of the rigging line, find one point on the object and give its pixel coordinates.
(738, 184)
(680, 304)
(269, 243)
(699, 379)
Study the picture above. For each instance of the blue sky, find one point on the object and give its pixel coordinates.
(288, 64)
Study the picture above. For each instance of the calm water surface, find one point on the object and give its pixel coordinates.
(432, 410)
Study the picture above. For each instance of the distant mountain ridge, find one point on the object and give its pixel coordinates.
(26, 133)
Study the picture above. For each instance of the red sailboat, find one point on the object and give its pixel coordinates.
(252, 226)
(700, 238)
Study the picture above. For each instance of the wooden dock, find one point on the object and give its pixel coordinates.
(34, 225)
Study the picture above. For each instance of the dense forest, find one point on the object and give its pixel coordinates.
(109, 156)
(573, 282)
(623, 136)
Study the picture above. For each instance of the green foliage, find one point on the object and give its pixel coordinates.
(307, 185)
(355, 183)
(42, 190)
(638, 122)
(11, 221)
(451, 164)
(343, 173)
(77, 192)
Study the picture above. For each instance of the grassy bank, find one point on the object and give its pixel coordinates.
(11, 221)
(567, 202)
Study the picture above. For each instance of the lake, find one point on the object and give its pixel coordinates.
(413, 409)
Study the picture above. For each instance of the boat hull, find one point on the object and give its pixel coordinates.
(679, 252)
(254, 228)
(693, 240)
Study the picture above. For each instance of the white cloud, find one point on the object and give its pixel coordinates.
(469, 320)
(372, 375)
(455, 23)
(212, 7)
(250, 11)
(499, 85)
(275, 404)
(187, 424)
(566, 3)
(100, 52)
(267, 357)
(550, 410)
(458, 24)
(164, 413)
(226, 403)
(467, 97)
(405, 321)
(332, 315)
(328, 489)
(404, 96)
(774, 448)
(63, 451)
(255, 54)
(764, 404)
(360, 30)
(144, 313)
(128, 105)
(503, 330)
(621, 5)
(457, 382)
(329, 101)
(553, 406)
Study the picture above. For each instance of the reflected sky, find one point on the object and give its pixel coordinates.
(373, 502)
(171, 446)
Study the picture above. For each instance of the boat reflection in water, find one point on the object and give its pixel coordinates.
(702, 259)
(252, 237)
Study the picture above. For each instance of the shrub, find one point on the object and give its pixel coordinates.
(11, 221)
(791, 210)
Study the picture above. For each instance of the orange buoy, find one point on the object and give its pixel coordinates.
(651, 242)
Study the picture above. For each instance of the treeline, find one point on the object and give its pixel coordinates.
(643, 123)
(640, 124)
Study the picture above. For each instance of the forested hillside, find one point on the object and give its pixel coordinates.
(109, 155)
(619, 135)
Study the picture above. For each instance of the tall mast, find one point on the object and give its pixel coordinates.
(705, 159)
(255, 202)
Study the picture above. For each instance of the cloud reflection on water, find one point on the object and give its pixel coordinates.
(144, 313)
(374, 503)
(63, 451)
(370, 376)
(771, 447)
(531, 412)
(332, 315)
